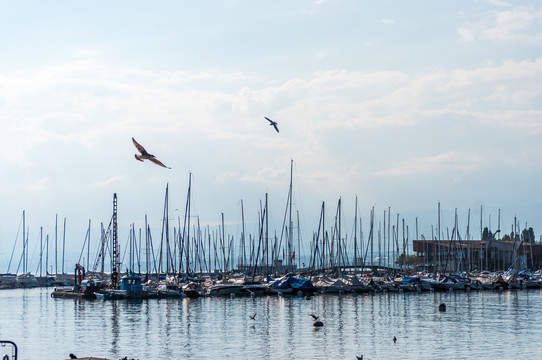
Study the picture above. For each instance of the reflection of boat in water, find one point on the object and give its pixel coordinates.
(130, 288)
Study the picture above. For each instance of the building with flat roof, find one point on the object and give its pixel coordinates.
(472, 255)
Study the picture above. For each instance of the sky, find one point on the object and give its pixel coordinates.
(403, 105)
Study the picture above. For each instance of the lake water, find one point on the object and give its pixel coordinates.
(476, 325)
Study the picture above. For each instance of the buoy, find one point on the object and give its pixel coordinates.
(442, 307)
(394, 339)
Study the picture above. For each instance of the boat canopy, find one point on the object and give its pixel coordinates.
(290, 281)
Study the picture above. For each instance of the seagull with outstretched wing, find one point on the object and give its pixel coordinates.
(272, 123)
(145, 155)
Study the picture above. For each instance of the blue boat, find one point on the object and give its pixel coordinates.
(130, 288)
(290, 284)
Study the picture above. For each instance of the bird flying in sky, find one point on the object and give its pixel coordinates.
(272, 123)
(145, 155)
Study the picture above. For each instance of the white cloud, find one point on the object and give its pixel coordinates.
(38, 186)
(107, 182)
(451, 162)
(499, 3)
(518, 24)
(86, 53)
(387, 21)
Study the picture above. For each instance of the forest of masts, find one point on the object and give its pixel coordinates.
(193, 249)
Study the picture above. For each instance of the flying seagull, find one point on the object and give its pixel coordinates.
(272, 123)
(145, 155)
(253, 317)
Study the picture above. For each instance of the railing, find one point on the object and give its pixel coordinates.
(6, 348)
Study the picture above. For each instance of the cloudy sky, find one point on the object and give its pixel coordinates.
(403, 104)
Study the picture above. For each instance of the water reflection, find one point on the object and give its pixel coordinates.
(477, 324)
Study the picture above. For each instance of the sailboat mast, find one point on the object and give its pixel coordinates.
(243, 253)
(188, 227)
(63, 244)
(116, 250)
(88, 246)
(24, 243)
(41, 250)
(290, 230)
(56, 247)
(356, 235)
(339, 247)
(298, 243)
(266, 238)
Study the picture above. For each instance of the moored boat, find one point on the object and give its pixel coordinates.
(225, 288)
(130, 288)
(291, 285)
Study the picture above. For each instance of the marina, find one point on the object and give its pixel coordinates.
(258, 292)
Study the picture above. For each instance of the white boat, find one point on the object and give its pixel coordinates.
(224, 289)
(26, 281)
(169, 290)
(332, 286)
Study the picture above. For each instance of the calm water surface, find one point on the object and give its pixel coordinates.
(476, 325)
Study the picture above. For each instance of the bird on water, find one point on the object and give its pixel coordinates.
(316, 322)
(72, 356)
(145, 155)
(272, 123)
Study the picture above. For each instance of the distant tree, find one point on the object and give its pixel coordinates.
(506, 237)
(409, 260)
(487, 235)
(528, 235)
